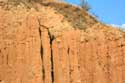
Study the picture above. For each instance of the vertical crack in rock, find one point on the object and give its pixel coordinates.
(108, 65)
(41, 52)
(52, 63)
(7, 58)
(68, 51)
(122, 50)
(2, 59)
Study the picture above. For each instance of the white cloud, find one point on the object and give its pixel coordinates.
(114, 25)
(123, 26)
(119, 26)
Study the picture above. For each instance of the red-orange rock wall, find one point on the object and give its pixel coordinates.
(31, 53)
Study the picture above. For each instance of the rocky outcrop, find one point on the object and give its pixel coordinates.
(41, 46)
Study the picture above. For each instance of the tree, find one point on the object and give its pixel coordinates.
(84, 4)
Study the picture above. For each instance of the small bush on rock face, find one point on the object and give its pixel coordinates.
(85, 5)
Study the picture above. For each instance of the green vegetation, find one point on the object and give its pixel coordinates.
(84, 4)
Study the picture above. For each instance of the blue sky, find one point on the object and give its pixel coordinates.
(108, 11)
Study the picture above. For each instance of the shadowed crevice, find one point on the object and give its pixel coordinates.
(70, 71)
(51, 37)
(41, 53)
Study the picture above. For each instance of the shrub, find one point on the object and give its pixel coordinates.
(85, 5)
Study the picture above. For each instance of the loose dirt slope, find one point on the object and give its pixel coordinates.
(50, 42)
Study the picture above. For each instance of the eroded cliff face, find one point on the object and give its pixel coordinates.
(40, 46)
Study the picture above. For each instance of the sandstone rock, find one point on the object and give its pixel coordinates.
(41, 46)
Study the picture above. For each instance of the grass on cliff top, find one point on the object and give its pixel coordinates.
(76, 16)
